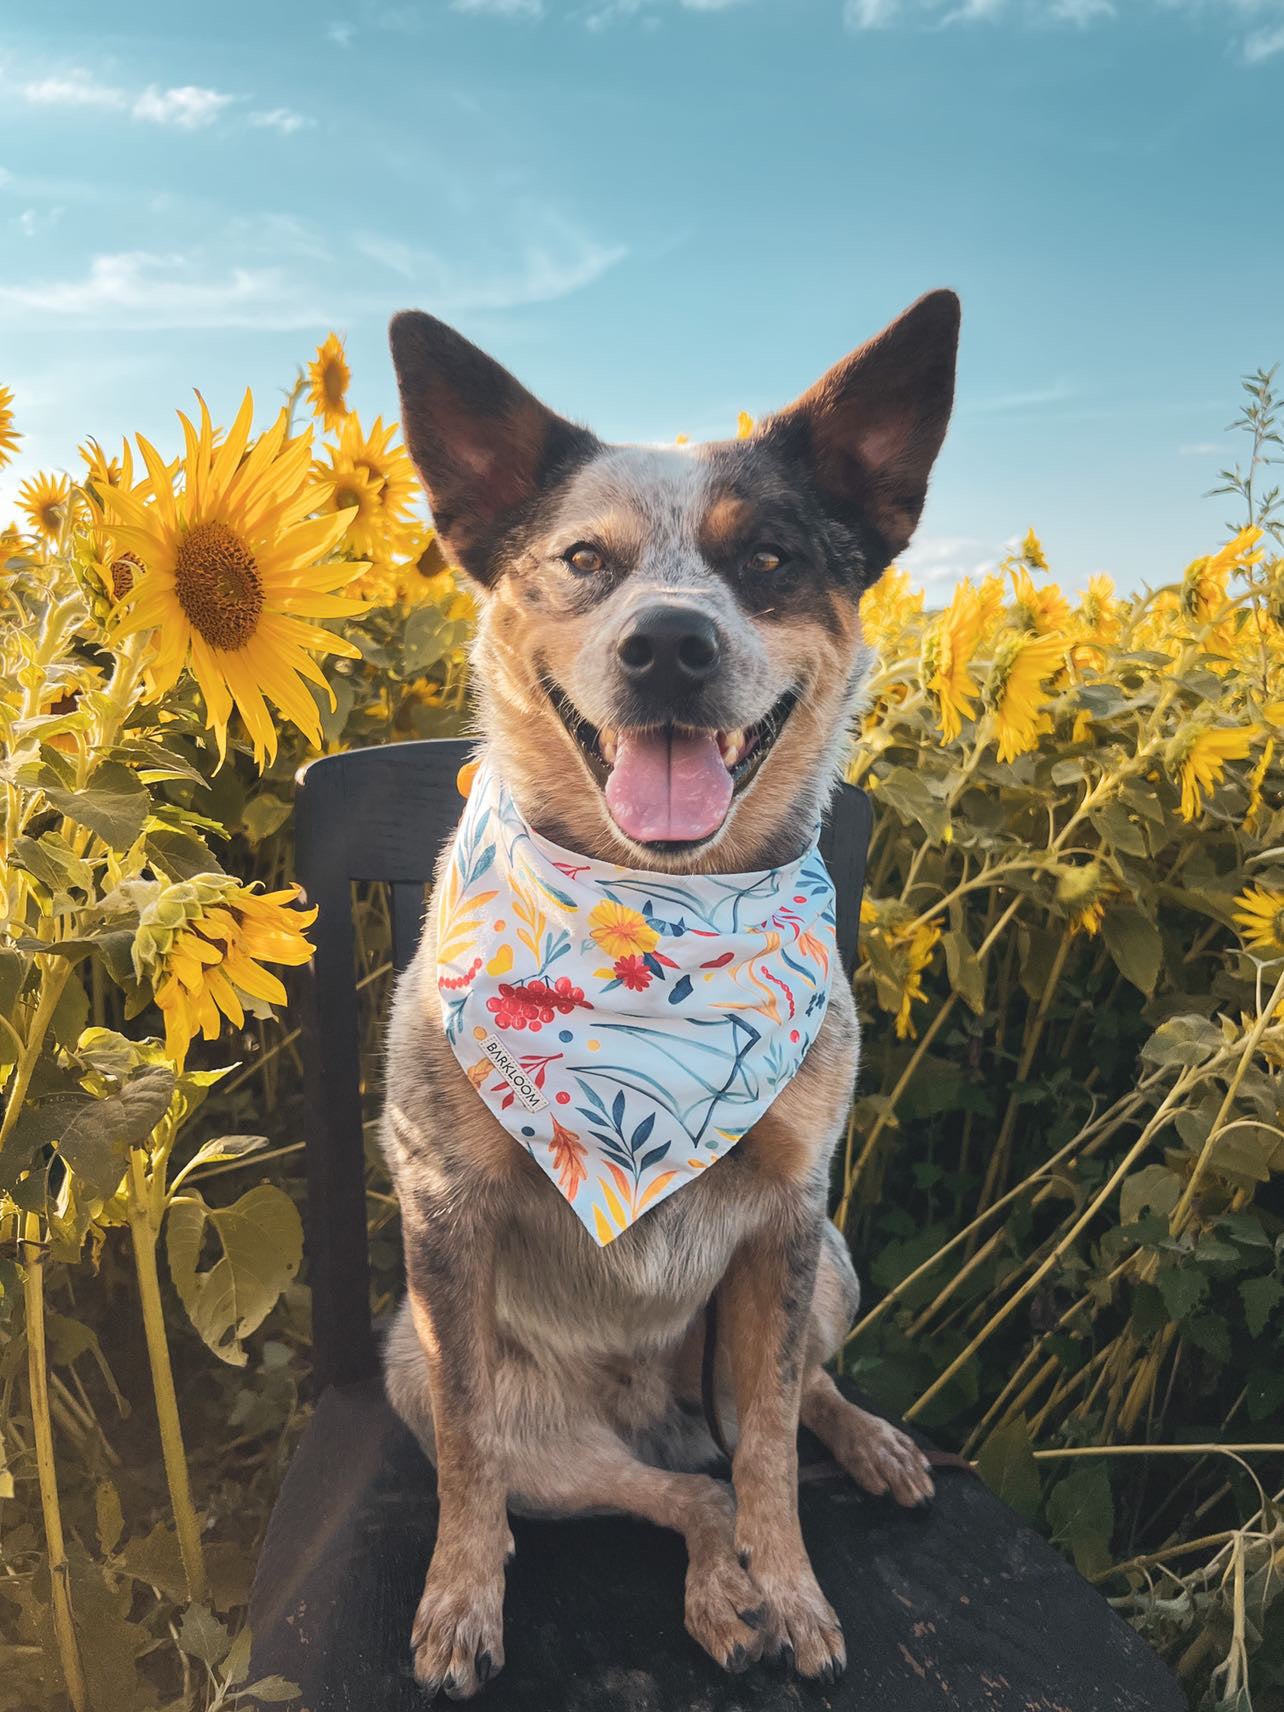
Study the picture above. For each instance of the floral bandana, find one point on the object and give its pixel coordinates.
(625, 1027)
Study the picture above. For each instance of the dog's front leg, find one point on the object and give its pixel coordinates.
(766, 1300)
(457, 1640)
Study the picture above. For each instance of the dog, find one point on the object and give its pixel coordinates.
(706, 594)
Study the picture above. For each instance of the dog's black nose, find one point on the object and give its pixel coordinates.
(669, 649)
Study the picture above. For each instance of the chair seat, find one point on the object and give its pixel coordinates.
(957, 1606)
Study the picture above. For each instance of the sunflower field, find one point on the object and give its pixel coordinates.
(1062, 1174)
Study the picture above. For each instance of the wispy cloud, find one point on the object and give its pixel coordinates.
(282, 119)
(340, 34)
(187, 105)
(1256, 26)
(1263, 44)
(183, 106)
(1028, 398)
(275, 272)
(500, 8)
(554, 261)
(144, 289)
(940, 561)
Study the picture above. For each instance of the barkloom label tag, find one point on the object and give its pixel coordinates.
(525, 1090)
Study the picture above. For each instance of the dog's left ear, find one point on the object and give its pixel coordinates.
(483, 444)
(871, 427)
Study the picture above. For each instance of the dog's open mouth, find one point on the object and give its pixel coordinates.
(671, 784)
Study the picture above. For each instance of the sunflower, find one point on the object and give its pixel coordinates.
(46, 499)
(102, 471)
(387, 532)
(234, 568)
(1014, 689)
(213, 963)
(1260, 918)
(621, 931)
(344, 487)
(1032, 552)
(9, 435)
(948, 647)
(1200, 754)
(328, 379)
(887, 610)
(1042, 610)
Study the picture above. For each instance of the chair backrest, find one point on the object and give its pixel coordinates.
(384, 815)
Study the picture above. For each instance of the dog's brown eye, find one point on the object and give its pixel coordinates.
(766, 559)
(585, 559)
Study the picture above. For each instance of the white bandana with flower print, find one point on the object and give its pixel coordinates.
(625, 1027)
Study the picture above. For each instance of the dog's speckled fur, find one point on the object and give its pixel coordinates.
(541, 1372)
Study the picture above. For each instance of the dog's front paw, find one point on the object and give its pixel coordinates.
(724, 1610)
(457, 1642)
(800, 1626)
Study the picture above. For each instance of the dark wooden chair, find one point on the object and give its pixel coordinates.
(959, 1606)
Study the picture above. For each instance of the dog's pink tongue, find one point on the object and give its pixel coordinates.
(668, 786)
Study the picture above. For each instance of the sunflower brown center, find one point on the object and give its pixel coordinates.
(346, 496)
(123, 569)
(332, 381)
(218, 585)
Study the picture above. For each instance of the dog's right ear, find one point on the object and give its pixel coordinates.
(484, 446)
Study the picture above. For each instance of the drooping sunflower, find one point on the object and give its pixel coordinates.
(234, 567)
(1260, 919)
(213, 964)
(1015, 689)
(46, 500)
(1042, 610)
(949, 645)
(9, 435)
(328, 379)
(1199, 755)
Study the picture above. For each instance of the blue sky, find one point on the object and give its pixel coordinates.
(659, 212)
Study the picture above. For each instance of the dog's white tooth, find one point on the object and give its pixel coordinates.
(606, 743)
(731, 743)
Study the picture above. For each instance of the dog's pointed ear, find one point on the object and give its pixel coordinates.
(484, 446)
(871, 427)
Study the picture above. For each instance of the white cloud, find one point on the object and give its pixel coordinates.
(940, 561)
(75, 88)
(1031, 398)
(1199, 449)
(1081, 11)
(139, 288)
(340, 34)
(188, 106)
(872, 14)
(557, 262)
(500, 8)
(33, 220)
(282, 119)
(1263, 44)
(276, 272)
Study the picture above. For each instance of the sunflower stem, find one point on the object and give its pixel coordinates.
(144, 1229)
(33, 1291)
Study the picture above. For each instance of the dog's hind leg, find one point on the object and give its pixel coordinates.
(878, 1456)
(597, 1472)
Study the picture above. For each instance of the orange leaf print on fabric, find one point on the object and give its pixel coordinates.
(569, 1154)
